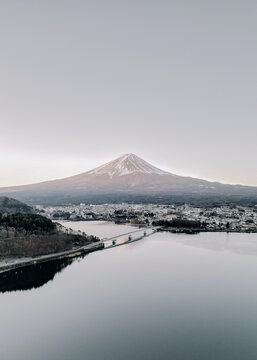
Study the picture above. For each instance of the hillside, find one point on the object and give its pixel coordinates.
(9, 205)
(26, 235)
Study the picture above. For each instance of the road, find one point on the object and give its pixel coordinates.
(118, 240)
(129, 238)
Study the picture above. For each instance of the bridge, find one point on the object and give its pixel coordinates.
(118, 240)
(127, 238)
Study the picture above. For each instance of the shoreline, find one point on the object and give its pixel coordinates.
(195, 231)
(171, 229)
(52, 257)
(100, 246)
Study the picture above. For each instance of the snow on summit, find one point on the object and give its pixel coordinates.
(127, 164)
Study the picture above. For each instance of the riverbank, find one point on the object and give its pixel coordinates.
(200, 230)
(18, 263)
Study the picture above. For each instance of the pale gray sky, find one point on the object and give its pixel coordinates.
(82, 82)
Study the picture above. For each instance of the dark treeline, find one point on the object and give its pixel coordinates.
(207, 200)
(179, 223)
(30, 223)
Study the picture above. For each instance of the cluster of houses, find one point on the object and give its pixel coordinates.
(216, 218)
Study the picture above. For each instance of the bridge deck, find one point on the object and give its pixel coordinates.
(128, 241)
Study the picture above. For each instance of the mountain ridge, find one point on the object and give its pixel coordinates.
(125, 175)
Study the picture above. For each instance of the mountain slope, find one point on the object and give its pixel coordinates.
(127, 175)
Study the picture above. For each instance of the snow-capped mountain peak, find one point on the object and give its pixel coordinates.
(127, 177)
(127, 164)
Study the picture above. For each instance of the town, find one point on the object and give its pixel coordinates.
(232, 218)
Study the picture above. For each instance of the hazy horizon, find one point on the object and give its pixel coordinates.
(100, 164)
(83, 82)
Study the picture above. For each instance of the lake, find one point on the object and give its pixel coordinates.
(168, 296)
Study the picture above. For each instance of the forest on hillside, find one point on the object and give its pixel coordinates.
(29, 235)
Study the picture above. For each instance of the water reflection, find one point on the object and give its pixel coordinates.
(237, 243)
(33, 276)
(169, 296)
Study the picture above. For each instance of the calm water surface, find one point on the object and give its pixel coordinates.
(169, 296)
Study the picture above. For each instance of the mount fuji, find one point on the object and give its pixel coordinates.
(124, 179)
